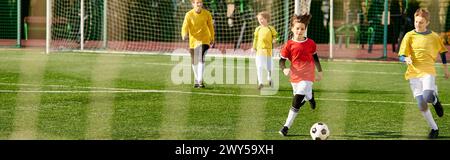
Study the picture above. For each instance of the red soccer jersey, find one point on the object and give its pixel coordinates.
(301, 56)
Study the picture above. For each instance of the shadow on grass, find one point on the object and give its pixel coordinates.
(329, 91)
(358, 91)
(386, 135)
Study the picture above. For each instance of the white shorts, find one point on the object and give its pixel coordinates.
(264, 62)
(303, 88)
(418, 85)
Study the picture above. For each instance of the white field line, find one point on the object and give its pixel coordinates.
(252, 67)
(124, 90)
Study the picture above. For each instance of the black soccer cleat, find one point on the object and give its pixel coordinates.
(438, 108)
(284, 131)
(433, 134)
(202, 85)
(260, 86)
(196, 86)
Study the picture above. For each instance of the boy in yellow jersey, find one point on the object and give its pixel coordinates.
(419, 50)
(198, 26)
(264, 37)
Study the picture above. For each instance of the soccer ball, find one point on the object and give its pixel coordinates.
(319, 131)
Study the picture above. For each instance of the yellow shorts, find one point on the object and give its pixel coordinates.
(264, 52)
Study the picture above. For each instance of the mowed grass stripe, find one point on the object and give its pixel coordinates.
(251, 119)
(63, 116)
(175, 111)
(10, 73)
(101, 108)
(27, 105)
(251, 116)
(368, 121)
(139, 115)
(332, 113)
(212, 117)
(174, 117)
(251, 111)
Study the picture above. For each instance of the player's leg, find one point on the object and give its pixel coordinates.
(298, 100)
(194, 62)
(312, 102)
(417, 89)
(430, 94)
(428, 116)
(202, 50)
(309, 95)
(259, 60)
(269, 68)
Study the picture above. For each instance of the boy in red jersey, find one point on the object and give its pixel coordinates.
(301, 51)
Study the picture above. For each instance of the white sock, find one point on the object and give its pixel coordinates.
(269, 68)
(291, 117)
(201, 68)
(259, 68)
(194, 68)
(259, 74)
(429, 118)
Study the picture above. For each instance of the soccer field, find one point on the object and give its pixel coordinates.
(116, 96)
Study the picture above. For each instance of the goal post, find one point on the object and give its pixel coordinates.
(48, 26)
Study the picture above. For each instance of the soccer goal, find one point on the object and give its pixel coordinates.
(139, 26)
(340, 28)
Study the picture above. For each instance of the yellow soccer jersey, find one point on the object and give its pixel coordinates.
(263, 40)
(199, 26)
(423, 48)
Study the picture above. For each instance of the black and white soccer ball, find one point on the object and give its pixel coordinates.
(319, 131)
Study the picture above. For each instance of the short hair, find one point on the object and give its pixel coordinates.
(301, 19)
(422, 13)
(265, 15)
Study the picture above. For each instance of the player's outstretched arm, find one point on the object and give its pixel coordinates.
(185, 28)
(210, 24)
(318, 67)
(444, 65)
(446, 73)
(283, 66)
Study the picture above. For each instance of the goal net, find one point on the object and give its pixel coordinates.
(354, 27)
(155, 26)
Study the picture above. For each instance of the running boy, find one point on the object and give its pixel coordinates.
(198, 25)
(301, 51)
(419, 50)
(263, 40)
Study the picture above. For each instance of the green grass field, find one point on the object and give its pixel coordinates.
(115, 96)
